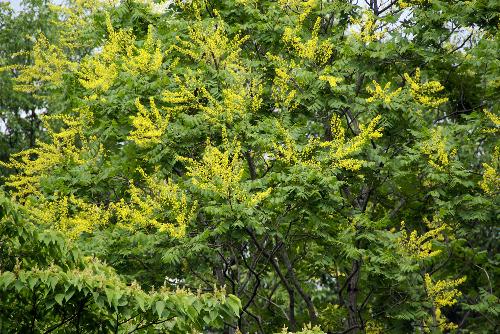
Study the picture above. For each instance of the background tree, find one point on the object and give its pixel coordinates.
(327, 162)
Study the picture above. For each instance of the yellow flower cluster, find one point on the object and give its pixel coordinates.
(193, 7)
(149, 125)
(435, 149)
(442, 323)
(182, 98)
(68, 214)
(409, 3)
(312, 49)
(332, 80)
(99, 72)
(221, 173)
(443, 293)
(338, 149)
(337, 130)
(161, 204)
(67, 146)
(303, 8)
(282, 92)
(48, 67)
(374, 327)
(147, 59)
(423, 93)
(491, 178)
(288, 151)
(495, 120)
(237, 100)
(367, 29)
(95, 75)
(378, 92)
(75, 19)
(211, 45)
(419, 247)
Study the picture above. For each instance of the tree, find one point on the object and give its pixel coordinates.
(20, 124)
(327, 163)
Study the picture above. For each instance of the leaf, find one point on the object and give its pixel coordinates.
(6, 279)
(192, 313)
(140, 301)
(110, 295)
(59, 298)
(234, 303)
(32, 282)
(160, 306)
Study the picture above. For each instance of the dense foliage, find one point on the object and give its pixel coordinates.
(249, 166)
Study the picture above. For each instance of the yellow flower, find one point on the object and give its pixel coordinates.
(147, 59)
(303, 8)
(68, 214)
(367, 29)
(49, 65)
(338, 150)
(384, 94)
(149, 125)
(491, 178)
(311, 49)
(435, 149)
(211, 45)
(160, 204)
(495, 120)
(419, 247)
(333, 81)
(67, 147)
(221, 173)
(423, 93)
(443, 293)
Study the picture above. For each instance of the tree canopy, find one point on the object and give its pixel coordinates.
(249, 166)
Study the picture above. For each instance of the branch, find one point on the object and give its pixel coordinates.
(296, 283)
(256, 286)
(251, 164)
(389, 6)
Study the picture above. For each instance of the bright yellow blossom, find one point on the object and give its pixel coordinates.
(419, 247)
(221, 173)
(149, 125)
(383, 94)
(160, 204)
(423, 93)
(68, 214)
(332, 80)
(442, 293)
(435, 149)
(367, 28)
(67, 147)
(495, 120)
(338, 150)
(303, 8)
(491, 177)
(49, 65)
(311, 49)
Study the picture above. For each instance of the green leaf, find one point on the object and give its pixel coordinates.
(59, 298)
(140, 301)
(234, 303)
(6, 278)
(159, 307)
